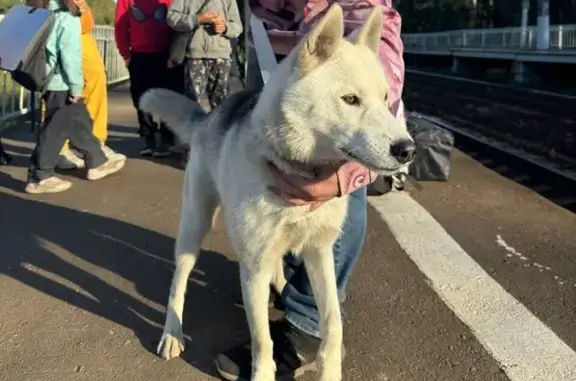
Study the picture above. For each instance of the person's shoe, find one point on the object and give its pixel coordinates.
(69, 160)
(106, 169)
(146, 151)
(50, 185)
(294, 353)
(111, 154)
(163, 150)
(149, 146)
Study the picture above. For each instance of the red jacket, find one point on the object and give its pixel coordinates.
(149, 36)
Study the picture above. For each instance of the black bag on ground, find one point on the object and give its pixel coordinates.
(24, 32)
(434, 149)
(380, 186)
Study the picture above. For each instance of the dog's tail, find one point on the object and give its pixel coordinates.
(176, 110)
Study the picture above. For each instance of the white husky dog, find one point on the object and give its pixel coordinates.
(326, 102)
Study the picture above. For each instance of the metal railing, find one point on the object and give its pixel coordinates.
(16, 101)
(116, 70)
(561, 37)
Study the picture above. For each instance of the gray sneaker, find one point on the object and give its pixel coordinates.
(50, 185)
(111, 166)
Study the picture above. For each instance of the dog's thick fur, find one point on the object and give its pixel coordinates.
(326, 102)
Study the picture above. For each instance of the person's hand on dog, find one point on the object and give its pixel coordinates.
(300, 191)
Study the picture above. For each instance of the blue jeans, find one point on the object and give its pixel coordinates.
(300, 307)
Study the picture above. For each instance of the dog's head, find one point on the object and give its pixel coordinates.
(328, 100)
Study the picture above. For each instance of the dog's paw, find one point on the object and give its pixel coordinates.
(330, 376)
(171, 345)
(330, 371)
(264, 376)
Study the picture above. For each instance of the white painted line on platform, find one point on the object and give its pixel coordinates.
(525, 348)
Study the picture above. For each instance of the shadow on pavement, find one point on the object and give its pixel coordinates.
(121, 139)
(108, 259)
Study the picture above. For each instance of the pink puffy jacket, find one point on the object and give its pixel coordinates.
(285, 32)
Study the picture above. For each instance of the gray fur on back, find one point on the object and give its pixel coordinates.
(231, 113)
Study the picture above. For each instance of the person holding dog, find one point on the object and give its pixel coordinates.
(296, 337)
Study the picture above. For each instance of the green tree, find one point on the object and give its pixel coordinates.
(5, 5)
(103, 11)
(434, 15)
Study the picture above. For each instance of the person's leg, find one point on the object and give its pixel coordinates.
(296, 337)
(218, 73)
(51, 136)
(164, 80)
(140, 73)
(81, 137)
(176, 82)
(195, 86)
(95, 87)
(196, 81)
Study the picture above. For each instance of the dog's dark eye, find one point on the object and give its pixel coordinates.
(386, 98)
(351, 99)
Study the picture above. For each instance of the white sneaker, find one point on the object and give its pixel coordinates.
(69, 160)
(50, 185)
(111, 154)
(106, 169)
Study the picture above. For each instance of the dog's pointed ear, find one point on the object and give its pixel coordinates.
(369, 34)
(323, 41)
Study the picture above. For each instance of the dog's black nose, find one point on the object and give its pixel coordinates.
(404, 151)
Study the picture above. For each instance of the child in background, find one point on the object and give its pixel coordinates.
(66, 116)
(95, 91)
(143, 39)
(211, 24)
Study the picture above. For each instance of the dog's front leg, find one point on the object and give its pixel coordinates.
(319, 264)
(198, 207)
(255, 277)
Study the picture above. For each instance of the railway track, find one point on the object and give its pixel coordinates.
(538, 122)
(551, 175)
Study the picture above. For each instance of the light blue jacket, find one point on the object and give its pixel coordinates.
(63, 48)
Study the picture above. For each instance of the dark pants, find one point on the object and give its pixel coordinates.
(63, 121)
(207, 81)
(148, 71)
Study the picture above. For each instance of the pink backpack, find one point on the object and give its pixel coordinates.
(284, 33)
